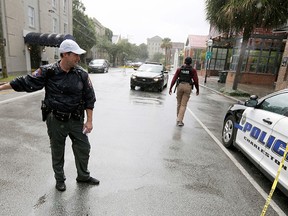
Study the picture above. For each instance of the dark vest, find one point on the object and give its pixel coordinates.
(185, 74)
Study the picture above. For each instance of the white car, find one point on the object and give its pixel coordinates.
(259, 128)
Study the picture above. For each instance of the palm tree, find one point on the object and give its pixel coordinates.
(2, 47)
(244, 16)
(167, 45)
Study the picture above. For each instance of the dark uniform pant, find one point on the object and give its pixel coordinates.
(58, 132)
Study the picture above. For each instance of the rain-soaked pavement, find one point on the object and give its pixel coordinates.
(146, 164)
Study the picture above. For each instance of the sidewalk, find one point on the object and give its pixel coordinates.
(226, 88)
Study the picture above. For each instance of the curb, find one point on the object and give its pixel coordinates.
(220, 93)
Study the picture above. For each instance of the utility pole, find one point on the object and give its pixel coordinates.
(2, 45)
(208, 57)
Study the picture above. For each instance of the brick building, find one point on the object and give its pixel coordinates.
(262, 63)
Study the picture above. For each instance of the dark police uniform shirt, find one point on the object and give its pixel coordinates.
(63, 91)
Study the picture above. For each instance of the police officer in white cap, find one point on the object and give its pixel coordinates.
(69, 95)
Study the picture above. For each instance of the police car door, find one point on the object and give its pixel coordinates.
(275, 147)
(254, 130)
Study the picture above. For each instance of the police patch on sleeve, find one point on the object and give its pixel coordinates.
(37, 73)
(89, 82)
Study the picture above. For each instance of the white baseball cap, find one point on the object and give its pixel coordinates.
(69, 45)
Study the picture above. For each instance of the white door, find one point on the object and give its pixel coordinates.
(254, 132)
(274, 153)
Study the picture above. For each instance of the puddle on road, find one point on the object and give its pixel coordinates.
(146, 98)
(146, 101)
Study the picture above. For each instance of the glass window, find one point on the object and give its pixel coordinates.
(55, 29)
(31, 16)
(261, 56)
(221, 53)
(54, 3)
(65, 6)
(218, 59)
(276, 104)
(65, 28)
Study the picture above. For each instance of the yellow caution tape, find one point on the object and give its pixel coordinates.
(274, 183)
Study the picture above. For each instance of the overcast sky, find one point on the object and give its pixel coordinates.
(139, 20)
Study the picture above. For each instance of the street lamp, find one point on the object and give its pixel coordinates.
(208, 57)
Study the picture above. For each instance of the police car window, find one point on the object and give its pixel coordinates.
(150, 68)
(276, 104)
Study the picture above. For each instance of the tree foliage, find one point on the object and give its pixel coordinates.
(141, 52)
(83, 26)
(84, 32)
(234, 16)
(108, 34)
(166, 45)
(158, 57)
(2, 48)
(238, 15)
(122, 51)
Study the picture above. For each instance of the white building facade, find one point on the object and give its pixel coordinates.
(32, 31)
(154, 46)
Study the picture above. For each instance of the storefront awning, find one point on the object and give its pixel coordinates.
(283, 29)
(52, 40)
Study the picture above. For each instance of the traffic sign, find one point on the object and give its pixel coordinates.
(208, 55)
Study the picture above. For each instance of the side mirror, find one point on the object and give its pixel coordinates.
(252, 102)
(253, 97)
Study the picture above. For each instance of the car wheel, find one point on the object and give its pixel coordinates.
(132, 87)
(228, 132)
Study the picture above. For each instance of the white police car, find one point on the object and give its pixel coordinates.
(259, 128)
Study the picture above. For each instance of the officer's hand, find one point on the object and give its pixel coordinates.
(88, 126)
(170, 92)
(5, 86)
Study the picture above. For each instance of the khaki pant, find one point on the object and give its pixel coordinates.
(183, 95)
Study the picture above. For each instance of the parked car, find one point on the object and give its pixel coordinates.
(149, 75)
(136, 65)
(259, 129)
(98, 66)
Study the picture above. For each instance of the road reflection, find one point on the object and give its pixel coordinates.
(139, 97)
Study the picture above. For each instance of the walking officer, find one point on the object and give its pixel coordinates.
(185, 77)
(68, 94)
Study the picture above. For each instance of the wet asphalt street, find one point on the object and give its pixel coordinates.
(145, 163)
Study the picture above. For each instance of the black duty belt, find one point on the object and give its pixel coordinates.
(63, 116)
